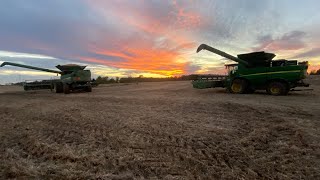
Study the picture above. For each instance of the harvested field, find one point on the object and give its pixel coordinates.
(164, 130)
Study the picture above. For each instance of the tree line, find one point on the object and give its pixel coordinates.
(107, 80)
(315, 72)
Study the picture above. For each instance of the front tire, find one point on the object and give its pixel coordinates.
(66, 89)
(58, 87)
(89, 88)
(238, 86)
(26, 88)
(277, 88)
(250, 90)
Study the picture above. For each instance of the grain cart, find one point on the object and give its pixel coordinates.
(72, 77)
(255, 71)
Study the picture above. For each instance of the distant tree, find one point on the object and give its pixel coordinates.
(193, 77)
(140, 78)
(315, 72)
(112, 80)
(106, 79)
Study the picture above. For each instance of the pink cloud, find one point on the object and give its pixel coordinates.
(146, 54)
(289, 41)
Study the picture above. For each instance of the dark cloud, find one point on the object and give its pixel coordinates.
(236, 21)
(43, 27)
(289, 41)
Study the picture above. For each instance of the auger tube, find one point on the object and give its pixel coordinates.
(221, 53)
(29, 67)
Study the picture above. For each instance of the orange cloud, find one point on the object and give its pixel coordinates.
(147, 54)
(140, 66)
(148, 60)
(187, 19)
(313, 68)
(158, 28)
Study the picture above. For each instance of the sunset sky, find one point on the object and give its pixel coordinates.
(154, 38)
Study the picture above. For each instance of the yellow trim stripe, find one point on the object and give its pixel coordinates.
(277, 72)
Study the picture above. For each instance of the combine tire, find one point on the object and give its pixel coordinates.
(277, 88)
(26, 88)
(250, 90)
(238, 86)
(66, 89)
(58, 87)
(89, 88)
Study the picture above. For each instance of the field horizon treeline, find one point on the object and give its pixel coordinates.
(315, 72)
(130, 79)
(107, 80)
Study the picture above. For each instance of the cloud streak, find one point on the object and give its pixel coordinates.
(315, 52)
(289, 41)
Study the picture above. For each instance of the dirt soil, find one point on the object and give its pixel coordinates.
(164, 130)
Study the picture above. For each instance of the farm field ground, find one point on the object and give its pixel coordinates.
(162, 130)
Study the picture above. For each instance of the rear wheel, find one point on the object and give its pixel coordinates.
(238, 86)
(277, 88)
(26, 88)
(58, 87)
(250, 90)
(66, 89)
(89, 88)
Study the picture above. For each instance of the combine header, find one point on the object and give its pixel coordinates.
(72, 77)
(255, 71)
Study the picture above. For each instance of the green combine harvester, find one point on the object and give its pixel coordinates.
(255, 71)
(73, 77)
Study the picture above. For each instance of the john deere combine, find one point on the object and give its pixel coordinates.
(255, 71)
(73, 77)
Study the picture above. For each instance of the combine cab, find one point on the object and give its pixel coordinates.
(256, 71)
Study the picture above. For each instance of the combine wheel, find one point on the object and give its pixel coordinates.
(66, 89)
(250, 90)
(238, 86)
(58, 87)
(26, 88)
(89, 88)
(277, 88)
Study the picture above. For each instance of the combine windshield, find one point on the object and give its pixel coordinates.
(231, 68)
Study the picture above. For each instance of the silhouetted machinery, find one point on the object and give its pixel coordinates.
(73, 77)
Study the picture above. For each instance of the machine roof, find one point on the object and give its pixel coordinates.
(256, 57)
(70, 67)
